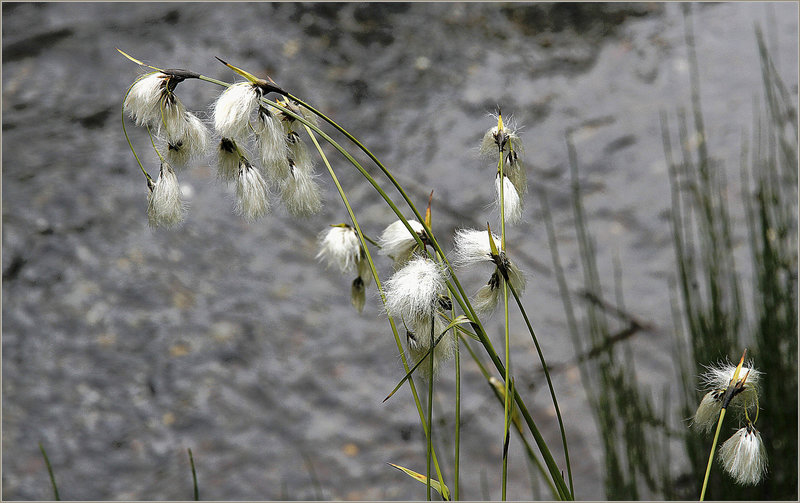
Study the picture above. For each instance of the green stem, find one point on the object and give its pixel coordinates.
(376, 277)
(506, 333)
(528, 448)
(458, 420)
(458, 292)
(194, 476)
(50, 472)
(430, 408)
(460, 296)
(549, 384)
(127, 138)
(711, 455)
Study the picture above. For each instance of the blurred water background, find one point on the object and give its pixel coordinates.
(123, 346)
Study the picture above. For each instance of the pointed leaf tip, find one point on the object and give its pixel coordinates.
(435, 485)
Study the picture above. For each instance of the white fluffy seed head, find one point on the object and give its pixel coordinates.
(512, 204)
(252, 193)
(272, 147)
(340, 247)
(717, 377)
(172, 118)
(233, 109)
(300, 192)
(144, 98)
(472, 247)
(190, 144)
(743, 456)
(707, 414)
(412, 292)
(490, 147)
(164, 205)
(399, 244)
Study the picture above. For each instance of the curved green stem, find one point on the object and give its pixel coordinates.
(194, 477)
(531, 455)
(50, 472)
(455, 287)
(127, 138)
(460, 296)
(377, 280)
(550, 386)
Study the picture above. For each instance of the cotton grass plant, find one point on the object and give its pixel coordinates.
(733, 387)
(260, 143)
(267, 143)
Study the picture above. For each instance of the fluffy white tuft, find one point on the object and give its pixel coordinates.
(512, 203)
(744, 457)
(472, 247)
(227, 160)
(191, 142)
(707, 414)
(164, 205)
(419, 342)
(490, 147)
(272, 147)
(720, 375)
(412, 292)
(144, 98)
(486, 299)
(340, 247)
(233, 109)
(399, 244)
(252, 193)
(300, 192)
(717, 377)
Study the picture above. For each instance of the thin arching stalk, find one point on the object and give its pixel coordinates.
(453, 285)
(549, 385)
(462, 299)
(195, 491)
(528, 448)
(50, 473)
(376, 277)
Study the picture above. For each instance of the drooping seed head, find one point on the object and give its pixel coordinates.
(743, 456)
(300, 192)
(164, 205)
(399, 244)
(234, 108)
(252, 192)
(190, 143)
(340, 247)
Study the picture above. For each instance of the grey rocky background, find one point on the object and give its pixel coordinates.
(123, 346)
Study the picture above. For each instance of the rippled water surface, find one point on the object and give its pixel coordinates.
(123, 345)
